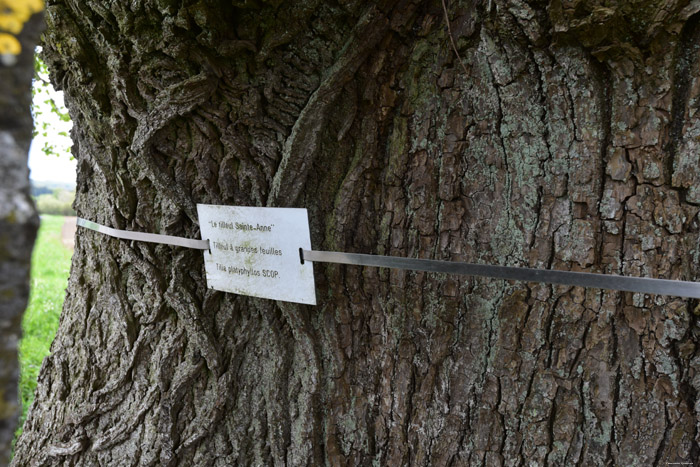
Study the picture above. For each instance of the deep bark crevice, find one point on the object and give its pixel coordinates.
(685, 62)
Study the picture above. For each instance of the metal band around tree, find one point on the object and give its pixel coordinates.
(582, 279)
(145, 237)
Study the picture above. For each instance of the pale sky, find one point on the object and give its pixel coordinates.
(51, 167)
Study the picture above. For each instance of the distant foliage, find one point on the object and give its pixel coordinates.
(59, 202)
(52, 123)
(40, 190)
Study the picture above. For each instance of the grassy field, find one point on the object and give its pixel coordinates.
(50, 267)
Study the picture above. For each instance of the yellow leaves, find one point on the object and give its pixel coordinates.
(9, 44)
(13, 15)
(9, 49)
(10, 22)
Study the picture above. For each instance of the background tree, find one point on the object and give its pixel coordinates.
(19, 33)
(562, 135)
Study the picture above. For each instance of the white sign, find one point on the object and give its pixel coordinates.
(255, 251)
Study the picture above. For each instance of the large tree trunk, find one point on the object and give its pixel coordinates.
(564, 135)
(18, 218)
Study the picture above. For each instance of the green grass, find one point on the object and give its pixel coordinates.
(49, 277)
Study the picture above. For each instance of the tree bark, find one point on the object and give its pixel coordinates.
(18, 218)
(561, 135)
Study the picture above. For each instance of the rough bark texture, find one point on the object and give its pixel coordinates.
(18, 221)
(564, 135)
